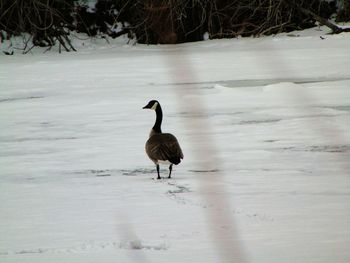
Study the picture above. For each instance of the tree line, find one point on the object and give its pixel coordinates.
(163, 21)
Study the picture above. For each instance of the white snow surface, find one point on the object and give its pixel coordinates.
(263, 124)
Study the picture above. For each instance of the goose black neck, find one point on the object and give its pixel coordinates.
(158, 123)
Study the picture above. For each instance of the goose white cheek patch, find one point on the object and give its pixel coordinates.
(154, 106)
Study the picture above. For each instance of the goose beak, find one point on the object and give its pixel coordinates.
(146, 107)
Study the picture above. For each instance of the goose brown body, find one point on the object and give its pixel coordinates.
(162, 147)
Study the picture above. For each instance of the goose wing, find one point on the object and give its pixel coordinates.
(165, 147)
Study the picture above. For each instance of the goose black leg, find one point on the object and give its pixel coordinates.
(158, 171)
(170, 169)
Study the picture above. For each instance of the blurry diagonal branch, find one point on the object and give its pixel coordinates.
(222, 224)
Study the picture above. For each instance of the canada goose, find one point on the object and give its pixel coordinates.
(162, 147)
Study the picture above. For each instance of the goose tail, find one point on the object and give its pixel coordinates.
(175, 160)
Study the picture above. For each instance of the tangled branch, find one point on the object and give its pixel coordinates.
(44, 20)
(175, 21)
(159, 21)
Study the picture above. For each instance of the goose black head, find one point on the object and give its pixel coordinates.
(153, 104)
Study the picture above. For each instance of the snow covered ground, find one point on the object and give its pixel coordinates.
(263, 123)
